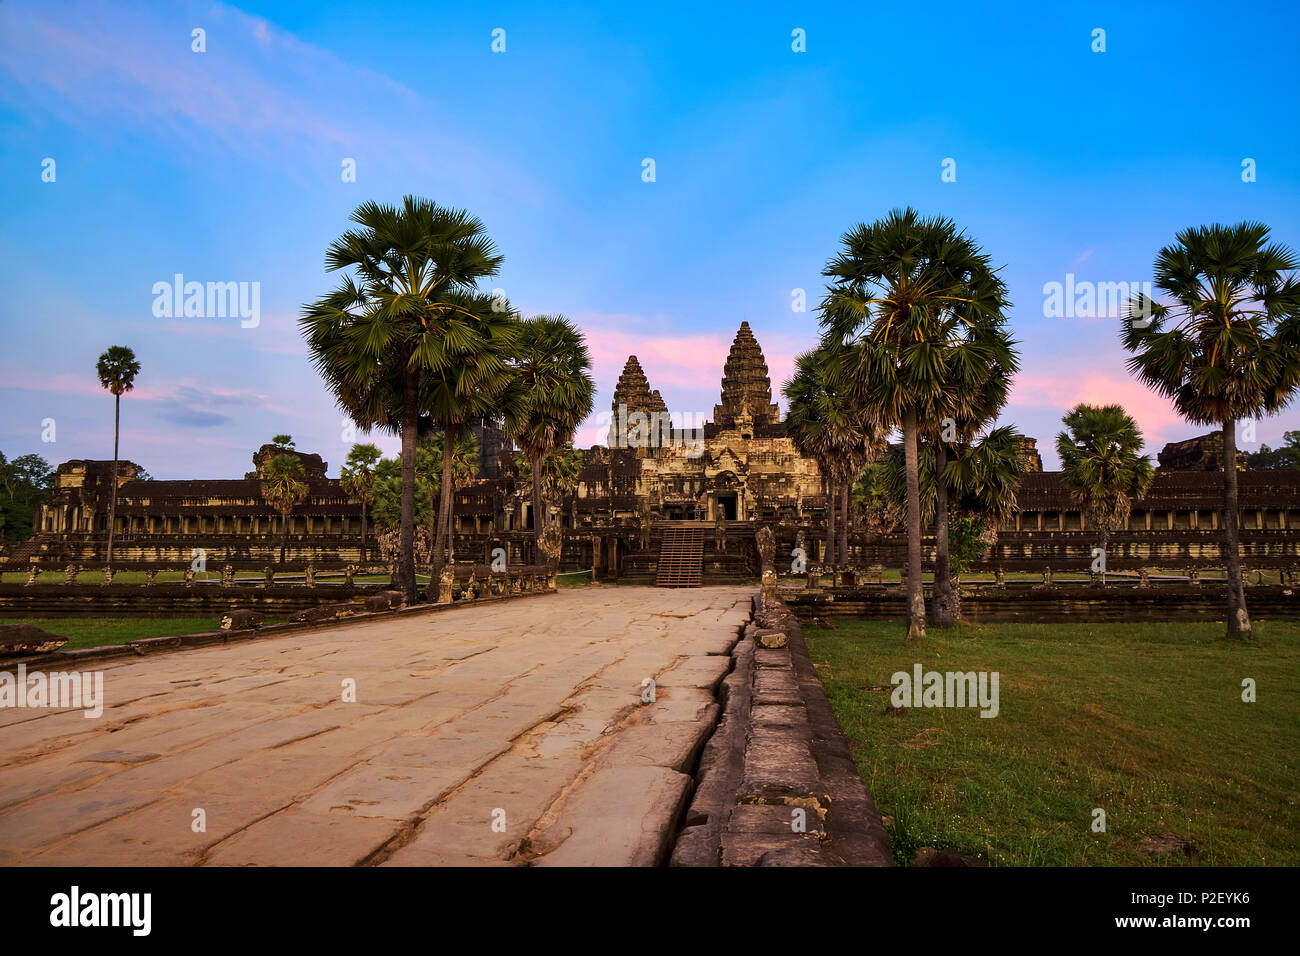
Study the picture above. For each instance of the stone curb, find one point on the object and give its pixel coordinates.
(778, 748)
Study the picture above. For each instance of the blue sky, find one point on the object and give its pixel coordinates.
(225, 166)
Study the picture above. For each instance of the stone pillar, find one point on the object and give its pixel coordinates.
(268, 576)
(999, 577)
(227, 576)
(108, 575)
(1144, 578)
(148, 577)
(348, 573)
(70, 574)
(189, 576)
(32, 574)
(1047, 576)
(311, 575)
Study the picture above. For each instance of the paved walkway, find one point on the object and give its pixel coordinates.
(505, 734)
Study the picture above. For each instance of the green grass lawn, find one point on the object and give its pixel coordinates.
(101, 632)
(1144, 721)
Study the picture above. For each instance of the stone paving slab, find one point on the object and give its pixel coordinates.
(505, 734)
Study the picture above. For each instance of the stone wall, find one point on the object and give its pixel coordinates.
(1058, 603)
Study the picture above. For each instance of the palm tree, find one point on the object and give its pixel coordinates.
(905, 291)
(1227, 346)
(406, 330)
(283, 487)
(552, 393)
(117, 369)
(1102, 466)
(828, 426)
(464, 467)
(357, 476)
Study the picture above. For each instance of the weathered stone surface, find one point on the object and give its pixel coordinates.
(458, 713)
(617, 817)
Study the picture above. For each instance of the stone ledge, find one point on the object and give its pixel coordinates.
(776, 785)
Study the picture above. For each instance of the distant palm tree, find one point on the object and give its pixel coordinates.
(1102, 466)
(552, 393)
(117, 369)
(464, 467)
(407, 331)
(1226, 347)
(826, 425)
(283, 441)
(904, 290)
(283, 488)
(357, 476)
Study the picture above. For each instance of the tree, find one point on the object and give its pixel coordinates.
(464, 467)
(406, 330)
(283, 441)
(826, 425)
(283, 488)
(117, 369)
(552, 393)
(1225, 346)
(1102, 466)
(923, 310)
(357, 477)
(27, 480)
(981, 477)
(1286, 455)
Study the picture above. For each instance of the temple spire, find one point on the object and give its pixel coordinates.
(746, 387)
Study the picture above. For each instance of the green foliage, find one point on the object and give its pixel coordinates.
(1101, 463)
(117, 369)
(1286, 455)
(560, 470)
(968, 540)
(552, 391)
(1227, 346)
(1142, 719)
(983, 476)
(283, 441)
(357, 476)
(26, 482)
(283, 486)
(387, 509)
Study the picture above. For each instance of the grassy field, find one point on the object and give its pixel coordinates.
(1145, 721)
(101, 632)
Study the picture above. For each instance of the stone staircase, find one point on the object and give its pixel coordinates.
(681, 558)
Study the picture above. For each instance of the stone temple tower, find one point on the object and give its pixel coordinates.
(632, 394)
(746, 387)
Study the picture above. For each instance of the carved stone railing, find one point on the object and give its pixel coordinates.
(466, 583)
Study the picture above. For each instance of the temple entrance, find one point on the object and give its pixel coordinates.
(727, 505)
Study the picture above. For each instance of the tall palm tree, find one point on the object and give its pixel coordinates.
(968, 407)
(1102, 465)
(405, 322)
(117, 369)
(1225, 346)
(828, 426)
(464, 467)
(552, 393)
(284, 487)
(357, 476)
(904, 291)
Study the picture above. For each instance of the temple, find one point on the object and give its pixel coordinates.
(656, 491)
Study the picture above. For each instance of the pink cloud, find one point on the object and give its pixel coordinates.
(1154, 414)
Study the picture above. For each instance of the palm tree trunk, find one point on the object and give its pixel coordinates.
(539, 507)
(363, 532)
(284, 534)
(1238, 617)
(915, 588)
(829, 556)
(844, 523)
(444, 512)
(406, 545)
(942, 606)
(112, 501)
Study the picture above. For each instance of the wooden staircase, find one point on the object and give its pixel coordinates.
(681, 558)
